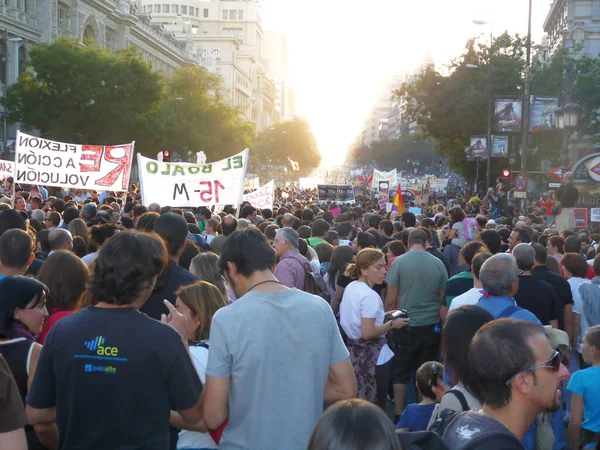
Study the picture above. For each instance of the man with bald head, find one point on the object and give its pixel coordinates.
(567, 194)
(287, 221)
(537, 296)
(60, 239)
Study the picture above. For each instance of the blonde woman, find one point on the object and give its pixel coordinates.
(361, 318)
(198, 302)
(77, 227)
(206, 267)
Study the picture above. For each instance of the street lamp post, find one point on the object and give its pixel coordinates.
(490, 107)
(567, 117)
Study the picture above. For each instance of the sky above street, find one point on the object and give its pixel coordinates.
(340, 52)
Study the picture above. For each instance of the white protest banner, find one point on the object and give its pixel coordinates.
(51, 163)
(7, 169)
(262, 197)
(188, 185)
(379, 176)
(595, 215)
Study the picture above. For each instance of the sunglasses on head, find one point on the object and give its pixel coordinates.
(551, 363)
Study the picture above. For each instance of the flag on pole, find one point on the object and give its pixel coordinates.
(398, 204)
(295, 164)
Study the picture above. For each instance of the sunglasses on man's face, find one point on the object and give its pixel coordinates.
(552, 363)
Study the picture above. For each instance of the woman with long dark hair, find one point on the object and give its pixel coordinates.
(340, 258)
(22, 314)
(65, 275)
(459, 329)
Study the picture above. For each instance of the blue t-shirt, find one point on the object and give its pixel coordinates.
(416, 417)
(586, 383)
(495, 306)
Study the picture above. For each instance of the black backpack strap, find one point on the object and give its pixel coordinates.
(461, 398)
(198, 344)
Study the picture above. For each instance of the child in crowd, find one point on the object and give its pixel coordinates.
(415, 417)
(584, 424)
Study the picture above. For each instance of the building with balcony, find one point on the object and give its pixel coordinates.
(573, 23)
(275, 51)
(113, 24)
(228, 37)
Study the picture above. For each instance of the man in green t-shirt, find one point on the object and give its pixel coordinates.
(416, 282)
(318, 229)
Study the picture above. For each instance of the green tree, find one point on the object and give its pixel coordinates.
(451, 106)
(193, 117)
(399, 153)
(85, 94)
(292, 138)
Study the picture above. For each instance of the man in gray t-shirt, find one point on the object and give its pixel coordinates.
(416, 282)
(275, 355)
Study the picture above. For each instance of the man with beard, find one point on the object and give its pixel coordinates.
(519, 374)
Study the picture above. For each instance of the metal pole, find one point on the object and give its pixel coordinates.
(525, 119)
(4, 122)
(477, 177)
(489, 120)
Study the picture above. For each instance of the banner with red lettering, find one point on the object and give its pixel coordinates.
(262, 197)
(51, 163)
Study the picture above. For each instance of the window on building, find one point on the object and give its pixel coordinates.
(233, 14)
(166, 9)
(149, 9)
(197, 12)
(194, 29)
(216, 54)
(109, 39)
(64, 17)
(240, 14)
(157, 9)
(204, 54)
(175, 9)
(183, 9)
(205, 12)
(225, 14)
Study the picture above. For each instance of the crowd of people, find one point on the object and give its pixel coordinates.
(305, 325)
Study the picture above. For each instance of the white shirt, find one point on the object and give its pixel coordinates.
(574, 282)
(89, 259)
(471, 297)
(578, 309)
(194, 439)
(360, 301)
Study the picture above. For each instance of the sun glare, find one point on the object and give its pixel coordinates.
(341, 52)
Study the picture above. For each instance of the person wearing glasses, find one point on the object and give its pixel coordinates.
(519, 374)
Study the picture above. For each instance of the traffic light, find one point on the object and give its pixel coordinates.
(166, 156)
(506, 173)
(441, 163)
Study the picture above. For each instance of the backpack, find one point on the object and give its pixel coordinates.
(471, 228)
(315, 284)
(420, 440)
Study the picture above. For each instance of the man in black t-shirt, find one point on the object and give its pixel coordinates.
(173, 230)
(110, 376)
(535, 295)
(561, 286)
(519, 375)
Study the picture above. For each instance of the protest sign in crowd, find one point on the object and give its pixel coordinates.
(185, 313)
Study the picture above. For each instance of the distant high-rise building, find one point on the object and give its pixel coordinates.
(275, 51)
(228, 37)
